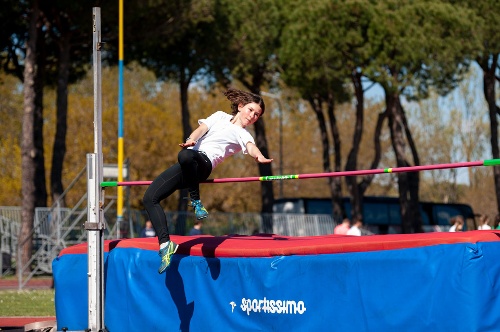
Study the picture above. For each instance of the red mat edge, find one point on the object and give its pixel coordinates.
(268, 245)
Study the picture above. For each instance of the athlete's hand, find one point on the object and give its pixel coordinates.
(263, 160)
(187, 144)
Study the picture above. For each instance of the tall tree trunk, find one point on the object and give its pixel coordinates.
(186, 117)
(317, 106)
(180, 224)
(399, 147)
(59, 148)
(413, 177)
(352, 157)
(335, 182)
(489, 65)
(265, 170)
(367, 180)
(357, 190)
(40, 182)
(28, 150)
(267, 187)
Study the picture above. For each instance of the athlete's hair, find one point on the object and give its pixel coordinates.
(237, 97)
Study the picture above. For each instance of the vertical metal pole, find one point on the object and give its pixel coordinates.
(95, 224)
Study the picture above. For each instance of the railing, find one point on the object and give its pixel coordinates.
(9, 229)
(45, 245)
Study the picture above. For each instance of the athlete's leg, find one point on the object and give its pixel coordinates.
(162, 187)
(196, 167)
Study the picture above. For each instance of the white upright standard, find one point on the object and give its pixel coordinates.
(95, 219)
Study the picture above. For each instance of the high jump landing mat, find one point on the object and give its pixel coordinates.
(404, 282)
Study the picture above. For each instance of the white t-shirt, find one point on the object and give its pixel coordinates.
(223, 139)
(354, 230)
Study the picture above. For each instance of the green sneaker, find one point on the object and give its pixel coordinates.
(199, 209)
(166, 255)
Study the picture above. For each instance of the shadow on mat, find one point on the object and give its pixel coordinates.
(173, 279)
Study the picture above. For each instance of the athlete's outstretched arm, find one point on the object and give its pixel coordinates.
(254, 151)
(195, 136)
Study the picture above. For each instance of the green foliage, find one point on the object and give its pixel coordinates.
(489, 12)
(179, 39)
(309, 60)
(418, 44)
(252, 36)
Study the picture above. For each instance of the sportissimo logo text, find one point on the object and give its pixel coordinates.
(272, 306)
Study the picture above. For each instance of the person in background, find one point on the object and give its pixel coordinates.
(436, 228)
(196, 230)
(497, 222)
(343, 227)
(356, 227)
(484, 221)
(457, 224)
(148, 230)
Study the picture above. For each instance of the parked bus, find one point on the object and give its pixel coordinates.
(382, 215)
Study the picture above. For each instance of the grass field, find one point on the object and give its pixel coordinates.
(27, 302)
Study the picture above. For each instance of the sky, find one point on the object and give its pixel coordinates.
(468, 99)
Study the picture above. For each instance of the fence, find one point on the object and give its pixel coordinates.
(10, 226)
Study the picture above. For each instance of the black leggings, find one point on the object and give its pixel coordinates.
(192, 168)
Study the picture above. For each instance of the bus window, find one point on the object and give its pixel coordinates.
(319, 206)
(443, 214)
(289, 206)
(375, 214)
(425, 216)
(347, 208)
(394, 214)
